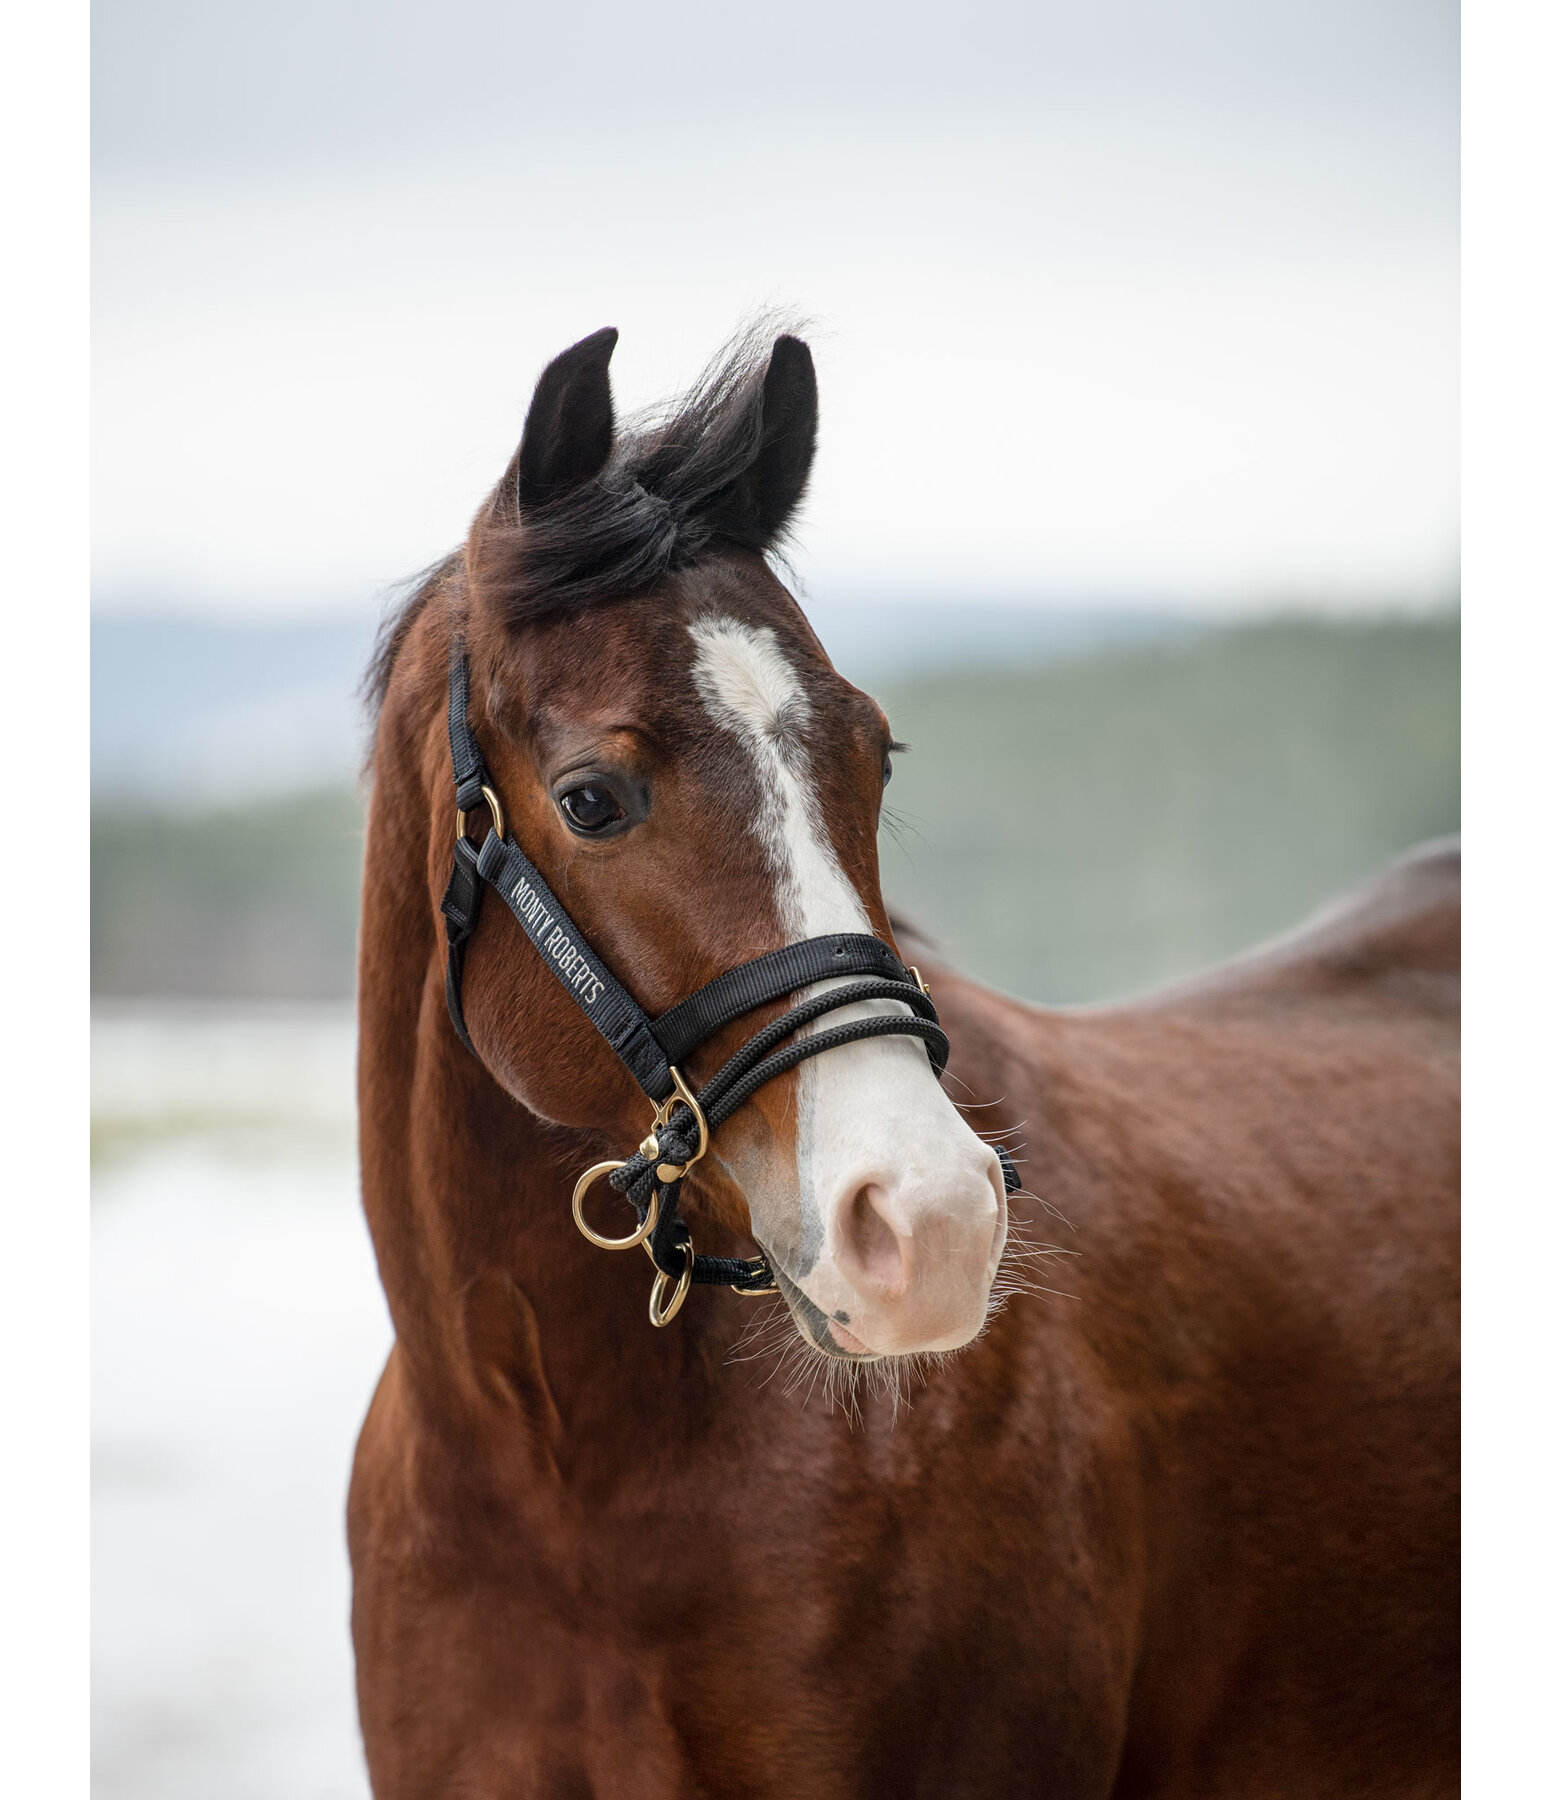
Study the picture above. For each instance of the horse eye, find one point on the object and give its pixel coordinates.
(887, 770)
(591, 807)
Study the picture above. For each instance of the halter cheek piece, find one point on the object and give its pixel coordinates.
(654, 1050)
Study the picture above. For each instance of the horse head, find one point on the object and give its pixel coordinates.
(697, 785)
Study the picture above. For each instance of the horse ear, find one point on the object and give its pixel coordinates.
(570, 425)
(788, 438)
(756, 507)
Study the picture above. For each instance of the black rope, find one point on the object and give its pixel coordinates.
(741, 1076)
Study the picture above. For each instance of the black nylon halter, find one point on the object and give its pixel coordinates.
(653, 1050)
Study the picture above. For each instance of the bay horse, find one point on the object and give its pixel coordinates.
(1184, 1527)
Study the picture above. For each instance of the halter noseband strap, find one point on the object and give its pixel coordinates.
(653, 1050)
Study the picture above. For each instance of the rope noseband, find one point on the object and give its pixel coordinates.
(654, 1050)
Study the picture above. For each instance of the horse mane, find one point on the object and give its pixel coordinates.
(404, 606)
(657, 506)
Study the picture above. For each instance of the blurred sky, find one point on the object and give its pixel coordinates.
(1140, 301)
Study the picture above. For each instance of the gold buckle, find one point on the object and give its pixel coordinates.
(498, 818)
(670, 1172)
(920, 981)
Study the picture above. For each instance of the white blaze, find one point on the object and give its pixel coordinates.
(871, 1111)
(749, 687)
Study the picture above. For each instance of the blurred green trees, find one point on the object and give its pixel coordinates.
(1077, 832)
(1071, 832)
(259, 901)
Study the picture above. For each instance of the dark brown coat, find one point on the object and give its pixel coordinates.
(1188, 1533)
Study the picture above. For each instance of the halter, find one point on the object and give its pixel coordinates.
(654, 1050)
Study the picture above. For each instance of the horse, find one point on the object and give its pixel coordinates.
(1178, 1520)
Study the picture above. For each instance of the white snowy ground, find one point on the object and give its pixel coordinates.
(238, 1331)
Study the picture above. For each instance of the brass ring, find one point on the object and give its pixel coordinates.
(638, 1236)
(497, 817)
(664, 1315)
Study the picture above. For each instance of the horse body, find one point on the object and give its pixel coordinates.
(1189, 1531)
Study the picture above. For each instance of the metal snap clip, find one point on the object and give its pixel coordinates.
(670, 1172)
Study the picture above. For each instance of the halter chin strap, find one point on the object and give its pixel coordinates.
(653, 1050)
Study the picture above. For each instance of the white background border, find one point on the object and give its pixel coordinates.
(44, 1611)
(1506, 612)
(44, 1130)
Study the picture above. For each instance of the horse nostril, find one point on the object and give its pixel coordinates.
(869, 1242)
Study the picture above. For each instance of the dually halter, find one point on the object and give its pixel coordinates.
(654, 1050)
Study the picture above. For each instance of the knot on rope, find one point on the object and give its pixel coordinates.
(677, 1140)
